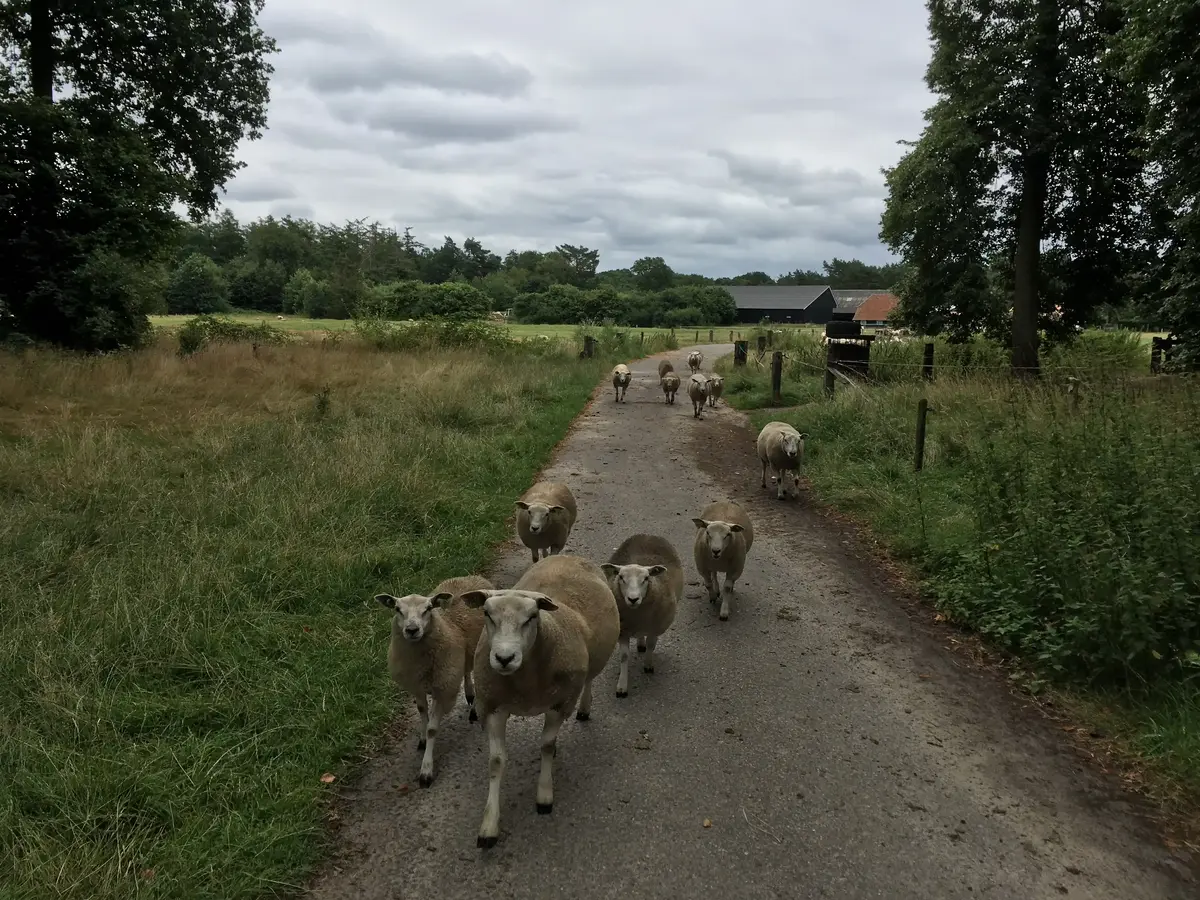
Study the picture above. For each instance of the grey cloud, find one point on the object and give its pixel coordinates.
(252, 190)
(447, 123)
(295, 210)
(799, 185)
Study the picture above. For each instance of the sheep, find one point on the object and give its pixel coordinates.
(646, 576)
(545, 641)
(620, 379)
(670, 384)
(545, 517)
(664, 366)
(698, 392)
(431, 653)
(716, 384)
(694, 360)
(781, 447)
(723, 538)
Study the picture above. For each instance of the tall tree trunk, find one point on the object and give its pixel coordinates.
(1035, 176)
(41, 48)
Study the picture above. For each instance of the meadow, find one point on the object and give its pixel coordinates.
(189, 550)
(1057, 521)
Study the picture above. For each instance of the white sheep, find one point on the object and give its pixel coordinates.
(781, 447)
(695, 358)
(670, 384)
(431, 653)
(545, 641)
(620, 378)
(698, 392)
(723, 538)
(646, 576)
(664, 366)
(716, 386)
(545, 517)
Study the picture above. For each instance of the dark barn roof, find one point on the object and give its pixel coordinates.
(851, 300)
(776, 296)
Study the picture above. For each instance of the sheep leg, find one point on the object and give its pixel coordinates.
(489, 831)
(585, 703)
(641, 644)
(424, 711)
(764, 473)
(425, 778)
(469, 693)
(651, 643)
(623, 678)
(710, 584)
(726, 596)
(535, 553)
(781, 488)
(545, 786)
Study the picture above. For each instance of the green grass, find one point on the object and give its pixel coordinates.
(1059, 522)
(684, 336)
(189, 551)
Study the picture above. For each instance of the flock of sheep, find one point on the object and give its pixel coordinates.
(536, 648)
(701, 388)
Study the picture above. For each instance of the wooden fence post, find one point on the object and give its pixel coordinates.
(740, 351)
(642, 337)
(697, 337)
(762, 345)
(927, 362)
(710, 337)
(777, 377)
(922, 412)
(589, 347)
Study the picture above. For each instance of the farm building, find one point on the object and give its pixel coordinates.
(850, 300)
(784, 304)
(875, 309)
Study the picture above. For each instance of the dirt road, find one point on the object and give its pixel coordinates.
(833, 748)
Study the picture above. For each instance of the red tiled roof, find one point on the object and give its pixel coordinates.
(876, 308)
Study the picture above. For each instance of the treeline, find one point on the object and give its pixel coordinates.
(324, 271)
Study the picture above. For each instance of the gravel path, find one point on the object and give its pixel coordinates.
(818, 744)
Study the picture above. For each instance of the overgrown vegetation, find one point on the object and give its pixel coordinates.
(1058, 521)
(191, 543)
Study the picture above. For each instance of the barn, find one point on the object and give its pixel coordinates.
(783, 304)
(875, 309)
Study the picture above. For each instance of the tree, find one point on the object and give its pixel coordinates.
(651, 273)
(1032, 142)
(581, 262)
(197, 286)
(160, 98)
(1158, 50)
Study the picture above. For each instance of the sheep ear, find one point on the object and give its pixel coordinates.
(804, 435)
(442, 600)
(386, 600)
(735, 527)
(699, 523)
(476, 599)
(657, 570)
(557, 506)
(610, 569)
(522, 504)
(544, 602)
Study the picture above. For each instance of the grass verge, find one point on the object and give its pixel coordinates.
(1058, 522)
(190, 545)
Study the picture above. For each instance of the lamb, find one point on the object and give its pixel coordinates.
(694, 360)
(646, 576)
(716, 384)
(698, 392)
(620, 379)
(664, 366)
(782, 448)
(723, 539)
(546, 639)
(545, 517)
(670, 384)
(431, 653)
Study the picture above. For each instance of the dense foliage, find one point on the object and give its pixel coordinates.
(1054, 182)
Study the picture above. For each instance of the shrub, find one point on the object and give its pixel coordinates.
(197, 286)
(202, 330)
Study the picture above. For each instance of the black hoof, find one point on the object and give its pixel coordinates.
(723, 618)
(622, 694)
(473, 716)
(641, 648)
(649, 670)
(544, 809)
(582, 716)
(424, 780)
(421, 745)
(485, 843)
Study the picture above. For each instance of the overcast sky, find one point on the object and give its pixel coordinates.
(725, 136)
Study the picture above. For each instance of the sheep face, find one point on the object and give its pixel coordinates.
(414, 612)
(631, 582)
(718, 536)
(511, 619)
(539, 515)
(792, 445)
